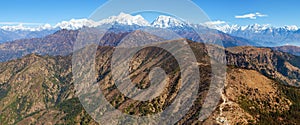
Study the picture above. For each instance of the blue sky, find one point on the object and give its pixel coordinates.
(242, 12)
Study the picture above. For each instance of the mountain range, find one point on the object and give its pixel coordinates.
(40, 90)
(264, 35)
(261, 87)
(16, 34)
(257, 35)
(295, 50)
(62, 41)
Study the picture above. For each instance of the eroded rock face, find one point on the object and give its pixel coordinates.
(276, 65)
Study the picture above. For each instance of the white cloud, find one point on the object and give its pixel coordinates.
(219, 25)
(251, 16)
(218, 22)
(261, 15)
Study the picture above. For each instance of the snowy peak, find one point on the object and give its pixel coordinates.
(161, 21)
(122, 18)
(21, 27)
(291, 28)
(262, 35)
(267, 27)
(167, 22)
(254, 28)
(15, 28)
(76, 24)
(73, 24)
(126, 19)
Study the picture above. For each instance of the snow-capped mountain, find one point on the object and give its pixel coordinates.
(70, 25)
(264, 35)
(74, 24)
(15, 32)
(167, 22)
(122, 18)
(125, 19)
(161, 21)
(23, 31)
(22, 27)
(255, 28)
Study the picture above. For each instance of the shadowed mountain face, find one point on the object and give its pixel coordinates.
(59, 43)
(62, 41)
(266, 35)
(295, 50)
(40, 89)
(7, 35)
(274, 64)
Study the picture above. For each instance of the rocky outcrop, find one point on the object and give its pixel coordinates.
(276, 65)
